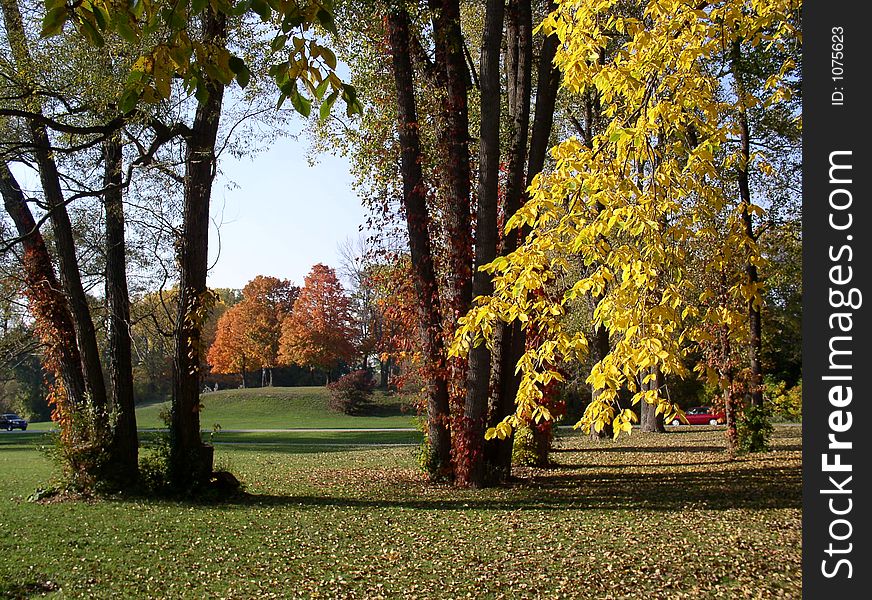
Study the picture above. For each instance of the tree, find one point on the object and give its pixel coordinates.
(435, 106)
(248, 334)
(228, 354)
(318, 332)
(645, 192)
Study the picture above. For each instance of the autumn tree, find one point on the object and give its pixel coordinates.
(318, 332)
(228, 352)
(247, 335)
(634, 201)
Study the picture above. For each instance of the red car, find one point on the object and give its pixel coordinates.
(701, 415)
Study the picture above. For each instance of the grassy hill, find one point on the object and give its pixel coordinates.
(287, 407)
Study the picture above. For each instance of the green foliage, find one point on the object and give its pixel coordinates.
(352, 393)
(79, 449)
(301, 62)
(524, 448)
(785, 403)
(754, 429)
(154, 465)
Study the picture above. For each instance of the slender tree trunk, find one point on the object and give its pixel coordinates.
(62, 228)
(190, 460)
(125, 444)
(600, 348)
(243, 371)
(753, 276)
(471, 466)
(509, 341)
(727, 377)
(45, 301)
(426, 288)
(384, 372)
(452, 71)
(650, 420)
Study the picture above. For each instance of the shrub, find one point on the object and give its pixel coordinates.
(754, 429)
(351, 393)
(786, 403)
(524, 448)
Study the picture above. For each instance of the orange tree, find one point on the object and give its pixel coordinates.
(318, 332)
(247, 335)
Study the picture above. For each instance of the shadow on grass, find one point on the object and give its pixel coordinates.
(392, 409)
(644, 449)
(709, 490)
(700, 489)
(26, 589)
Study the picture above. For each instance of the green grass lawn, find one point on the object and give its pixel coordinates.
(288, 407)
(282, 408)
(649, 516)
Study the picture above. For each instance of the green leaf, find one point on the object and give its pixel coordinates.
(327, 105)
(126, 31)
(197, 6)
(352, 104)
(101, 16)
(236, 64)
(279, 42)
(262, 9)
(53, 22)
(89, 31)
(322, 87)
(128, 100)
(325, 19)
(301, 104)
(329, 57)
(243, 77)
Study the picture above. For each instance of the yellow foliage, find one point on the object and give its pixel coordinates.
(652, 187)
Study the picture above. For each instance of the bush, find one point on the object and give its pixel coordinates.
(351, 393)
(754, 429)
(786, 403)
(524, 448)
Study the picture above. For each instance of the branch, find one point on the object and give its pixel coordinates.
(41, 119)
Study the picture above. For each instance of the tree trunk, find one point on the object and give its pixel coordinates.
(600, 350)
(471, 465)
(426, 288)
(65, 250)
(45, 301)
(384, 372)
(650, 421)
(510, 340)
(754, 311)
(243, 372)
(543, 435)
(452, 72)
(190, 460)
(125, 444)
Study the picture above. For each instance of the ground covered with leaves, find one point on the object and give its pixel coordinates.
(648, 516)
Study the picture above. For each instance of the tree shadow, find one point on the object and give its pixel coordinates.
(391, 409)
(566, 489)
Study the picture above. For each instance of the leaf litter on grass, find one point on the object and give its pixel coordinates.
(665, 516)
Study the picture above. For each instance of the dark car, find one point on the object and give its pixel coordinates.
(701, 415)
(10, 421)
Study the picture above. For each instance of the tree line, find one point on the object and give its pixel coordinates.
(634, 253)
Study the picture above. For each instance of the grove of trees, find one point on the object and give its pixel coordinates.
(605, 192)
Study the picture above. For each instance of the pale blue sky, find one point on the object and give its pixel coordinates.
(283, 215)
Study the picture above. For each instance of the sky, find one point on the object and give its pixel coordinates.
(282, 215)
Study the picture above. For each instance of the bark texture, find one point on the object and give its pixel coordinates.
(426, 288)
(190, 459)
(125, 443)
